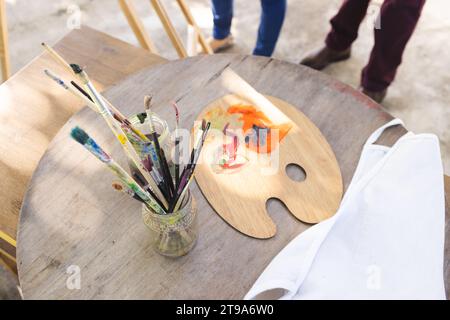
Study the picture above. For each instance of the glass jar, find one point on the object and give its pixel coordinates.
(174, 234)
(161, 128)
(141, 123)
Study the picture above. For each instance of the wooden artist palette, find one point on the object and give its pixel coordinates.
(238, 175)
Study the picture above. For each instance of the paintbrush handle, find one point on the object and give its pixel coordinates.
(160, 157)
(188, 173)
(88, 102)
(177, 162)
(104, 157)
(116, 113)
(166, 171)
(125, 121)
(154, 156)
(71, 89)
(180, 198)
(120, 187)
(120, 135)
(136, 188)
(57, 57)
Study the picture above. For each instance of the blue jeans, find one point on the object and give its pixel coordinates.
(272, 17)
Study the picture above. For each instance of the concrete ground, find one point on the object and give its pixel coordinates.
(420, 95)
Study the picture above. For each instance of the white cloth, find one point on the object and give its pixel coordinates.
(386, 241)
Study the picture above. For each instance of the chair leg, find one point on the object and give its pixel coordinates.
(137, 26)
(191, 21)
(8, 250)
(170, 30)
(4, 41)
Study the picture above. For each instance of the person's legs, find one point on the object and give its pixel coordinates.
(398, 19)
(344, 30)
(345, 24)
(272, 17)
(223, 15)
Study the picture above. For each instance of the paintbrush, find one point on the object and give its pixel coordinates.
(117, 114)
(57, 57)
(80, 93)
(86, 141)
(124, 189)
(184, 173)
(198, 150)
(76, 90)
(177, 146)
(151, 145)
(72, 90)
(197, 141)
(156, 176)
(140, 179)
(160, 152)
(189, 173)
(84, 93)
(117, 130)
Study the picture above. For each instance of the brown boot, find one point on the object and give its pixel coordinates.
(218, 45)
(321, 58)
(377, 96)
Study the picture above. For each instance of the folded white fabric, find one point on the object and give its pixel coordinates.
(386, 241)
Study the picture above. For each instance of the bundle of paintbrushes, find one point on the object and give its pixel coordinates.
(151, 180)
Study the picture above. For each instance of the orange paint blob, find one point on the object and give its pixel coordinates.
(260, 128)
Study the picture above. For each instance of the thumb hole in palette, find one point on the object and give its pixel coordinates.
(277, 210)
(295, 172)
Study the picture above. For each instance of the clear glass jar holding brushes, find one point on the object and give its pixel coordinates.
(173, 234)
(140, 122)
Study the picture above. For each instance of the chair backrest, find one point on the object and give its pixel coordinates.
(195, 35)
(8, 250)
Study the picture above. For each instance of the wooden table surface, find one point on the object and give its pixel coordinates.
(33, 108)
(71, 217)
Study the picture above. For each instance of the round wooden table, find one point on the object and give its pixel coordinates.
(73, 226)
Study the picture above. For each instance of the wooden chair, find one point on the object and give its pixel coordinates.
(196, 36)
(4, 55)
(8, 251)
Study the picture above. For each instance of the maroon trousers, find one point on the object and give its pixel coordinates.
(398, 18)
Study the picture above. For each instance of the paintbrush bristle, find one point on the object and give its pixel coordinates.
(142, 116)
(147, 102)
(79, 135)
(76, 68)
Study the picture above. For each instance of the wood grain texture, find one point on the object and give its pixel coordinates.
(264, 176)
(65, 222)
(34, 108)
